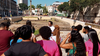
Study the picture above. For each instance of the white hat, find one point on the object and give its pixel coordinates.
(89, 26)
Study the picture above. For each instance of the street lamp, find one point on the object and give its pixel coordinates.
(69, 2)
(30, 7)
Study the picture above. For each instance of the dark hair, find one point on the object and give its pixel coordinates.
(73, 27)
(80, 46)
(94, 38)
(25, 32)
(17, 35)
(28, 22)
(45, 32)
(51, 22)
(87, 28)
(1, 25)
(79, 27)
(5, 24)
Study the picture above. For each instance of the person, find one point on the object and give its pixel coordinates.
(72, 28)
(5, 37)
(51, 26)
(86, 31)
(26, 47)
(91, 29)
(17, 38)
(50, 47)
(92, 45)
(78, 28)
(28, 22)
(56, 35)
(76, 44)
(6, 26)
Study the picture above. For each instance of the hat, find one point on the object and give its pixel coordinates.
(89, 26)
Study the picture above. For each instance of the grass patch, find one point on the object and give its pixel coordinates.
(36, 32)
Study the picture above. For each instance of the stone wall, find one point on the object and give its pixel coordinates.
(91, 14)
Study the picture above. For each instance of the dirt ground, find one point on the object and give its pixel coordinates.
(39, 23)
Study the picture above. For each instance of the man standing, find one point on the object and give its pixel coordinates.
(5, 37)
(86, 31)
(51, 26)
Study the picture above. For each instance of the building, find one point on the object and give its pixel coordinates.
(18, 2)
(50, 10)
(55, 5)
(7, 7)
(22, 1)
(37, 11)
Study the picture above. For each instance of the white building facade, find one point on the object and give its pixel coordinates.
(50, 10)
(22, 1)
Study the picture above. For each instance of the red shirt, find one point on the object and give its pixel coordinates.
(5, 37)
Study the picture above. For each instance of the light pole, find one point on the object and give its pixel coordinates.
(10, 7)
(30, 7)
(69, 2)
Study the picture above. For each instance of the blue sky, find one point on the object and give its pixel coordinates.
(43, 2)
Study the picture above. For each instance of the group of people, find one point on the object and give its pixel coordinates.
(82, 46)
(24, 43)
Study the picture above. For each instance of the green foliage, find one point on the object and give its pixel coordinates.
(39, 6)
(76, 5)
(23, 6)
(45, 10)
(33, 7)
(64, 7)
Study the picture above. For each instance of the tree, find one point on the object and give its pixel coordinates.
(23, 6)
(81, 4)
(39, 6)
(45, 10)
(64, 7)
(78, 5)
(33, 7)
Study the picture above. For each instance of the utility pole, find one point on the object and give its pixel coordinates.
(30, 7)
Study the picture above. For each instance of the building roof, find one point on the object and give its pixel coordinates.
(56, 3)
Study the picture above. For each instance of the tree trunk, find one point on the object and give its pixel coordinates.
(74, 15)
(83, 18)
